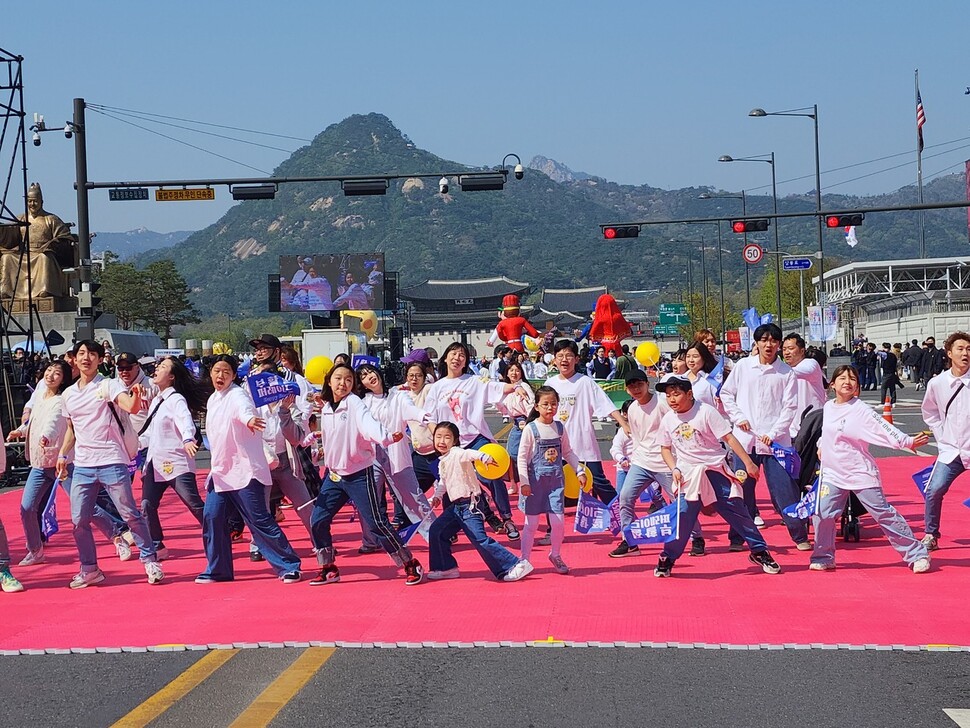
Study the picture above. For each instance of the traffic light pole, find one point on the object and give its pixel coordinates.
(85, 320)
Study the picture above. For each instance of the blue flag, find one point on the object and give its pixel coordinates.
(716, 377)
(407, 532)
(788, 459)
(807, 506)
(649, 494)
(751, 318)
(922, 479)
(594, 517)
(267, 388)
(357, 359)
(658, 527)
(48, 519)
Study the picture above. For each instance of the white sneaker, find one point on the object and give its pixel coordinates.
(519, 571)
(759, 521)
(122, 547)
(34, 557)
(804, 546)
(929, 541)
(817, 566)
(129, 538)
(154, 571)
(86, 578)
(445, 574)
(545, 540)
(558, 564)
(921, 566)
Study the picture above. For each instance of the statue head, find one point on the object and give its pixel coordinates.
(35, 199)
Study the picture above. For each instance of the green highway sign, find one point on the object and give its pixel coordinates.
(666, 330)
(673, 314)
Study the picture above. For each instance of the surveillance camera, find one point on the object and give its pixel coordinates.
(36, 139)
(68, 130)
(443, 185)
(519, 171)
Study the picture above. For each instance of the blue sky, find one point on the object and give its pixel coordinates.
(637, 92)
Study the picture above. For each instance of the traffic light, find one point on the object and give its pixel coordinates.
(837, 221)
(88, 304)
(625, 231)
(749, 226)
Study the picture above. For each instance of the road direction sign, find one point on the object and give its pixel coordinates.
(673, 314)
(796, 263)
(666, 330)
(127, 193)
(187, 194)
(752, 253)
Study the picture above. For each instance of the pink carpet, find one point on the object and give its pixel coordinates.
(720, 599)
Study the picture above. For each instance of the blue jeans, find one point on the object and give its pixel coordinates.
(500, 496)
(730, 509)
(636, 481)
(461, 517)
(361, 488)
(941, 479)
(602, 488)
(250, 502)
(782, 490)
(86, 483)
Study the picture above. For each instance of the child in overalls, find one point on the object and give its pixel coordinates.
(542, 450)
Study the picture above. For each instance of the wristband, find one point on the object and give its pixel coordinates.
(62, 457)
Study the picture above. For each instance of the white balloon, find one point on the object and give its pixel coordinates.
(548, 358)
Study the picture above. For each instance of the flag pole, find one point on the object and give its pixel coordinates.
(919, 165)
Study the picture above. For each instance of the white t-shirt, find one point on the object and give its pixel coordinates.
(462, 400)
(645, 422)
(695, 435)
(396, 411)
(580, 400)
(98, 438)
(528, 445)
(238, 456)
(847, 431)
(810, 391)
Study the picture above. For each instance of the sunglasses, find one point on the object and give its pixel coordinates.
(125, 369)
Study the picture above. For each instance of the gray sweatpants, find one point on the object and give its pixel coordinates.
(892, 524)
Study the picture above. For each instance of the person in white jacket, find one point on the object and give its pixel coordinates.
(809, 380)
(946, 411)
(760, 397)
(849, 426)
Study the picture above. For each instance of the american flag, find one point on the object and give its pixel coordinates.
(920, 120)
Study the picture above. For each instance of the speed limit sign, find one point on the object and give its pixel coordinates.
(752, 253)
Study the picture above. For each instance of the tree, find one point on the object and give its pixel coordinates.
(166, 297)
(122, 292)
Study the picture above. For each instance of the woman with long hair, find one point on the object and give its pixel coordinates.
(460, 397)
(170, 461)
(700, 362)
(424, 457)
(290, 360)
(516, 407)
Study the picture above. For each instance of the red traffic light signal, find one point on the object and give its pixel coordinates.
(749, 226)
(624, 231)
(837, 221)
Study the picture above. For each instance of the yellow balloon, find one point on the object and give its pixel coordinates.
(571, 489)
(531, 344)
(501, 457)
(648, 353)
(317, 369)
(368, 323)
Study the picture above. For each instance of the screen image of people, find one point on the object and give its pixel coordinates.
(332, 282)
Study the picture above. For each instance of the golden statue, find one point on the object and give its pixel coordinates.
(49, 237)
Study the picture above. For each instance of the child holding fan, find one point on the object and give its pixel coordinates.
(543, 449)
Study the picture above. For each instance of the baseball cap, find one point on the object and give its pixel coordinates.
(266, 340)
(126, 359)
(636, 375)
(675, 381)
(417, 356)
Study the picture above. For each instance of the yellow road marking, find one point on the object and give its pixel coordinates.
(279, 692)
(175, 690)
(504, 431)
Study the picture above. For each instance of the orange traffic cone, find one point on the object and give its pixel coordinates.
(887, 410)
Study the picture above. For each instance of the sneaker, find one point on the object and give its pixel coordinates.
(735, 547)
(929, 541)
(454, 539)
(413, 572)
(154, 571)
(161, 553)
(235, 536)
(519, 571)
(290, 577)
(664, 567)
(129, 538)
(446, 574)
(764, 560)
(819, 566)
(510, 530)
(8, 582)
(365, 549)
(86, 578)
(205, 579)
(256, 556)
(545, 540)
(697, 547)
(624, 549)
(279, 516)
(328, 575)
(921, 566)
(656, 506)
(804, 546)
(558, 564)
(496, 523)
(34, 557)
(122, 547)
(759, 521)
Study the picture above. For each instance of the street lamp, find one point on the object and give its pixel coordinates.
(703, 274)
(720, 275)
(758, 113)
(690, 276)
(744, 211)
(774, 198)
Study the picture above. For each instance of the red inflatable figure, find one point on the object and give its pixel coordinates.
(609, 328)
(511, 325)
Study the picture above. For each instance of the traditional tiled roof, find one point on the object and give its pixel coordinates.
(474, 288)
(558, 318)
(580, 301)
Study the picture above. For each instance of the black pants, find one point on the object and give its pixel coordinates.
(152, 491)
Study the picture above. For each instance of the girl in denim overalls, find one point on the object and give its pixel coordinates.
(542, 450)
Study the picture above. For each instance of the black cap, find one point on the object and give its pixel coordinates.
(636, 375)
(266, 340)
(676, 381)
(126, 359)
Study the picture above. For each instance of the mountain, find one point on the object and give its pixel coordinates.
(132, 243)
(537, 229)
(556, 171)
